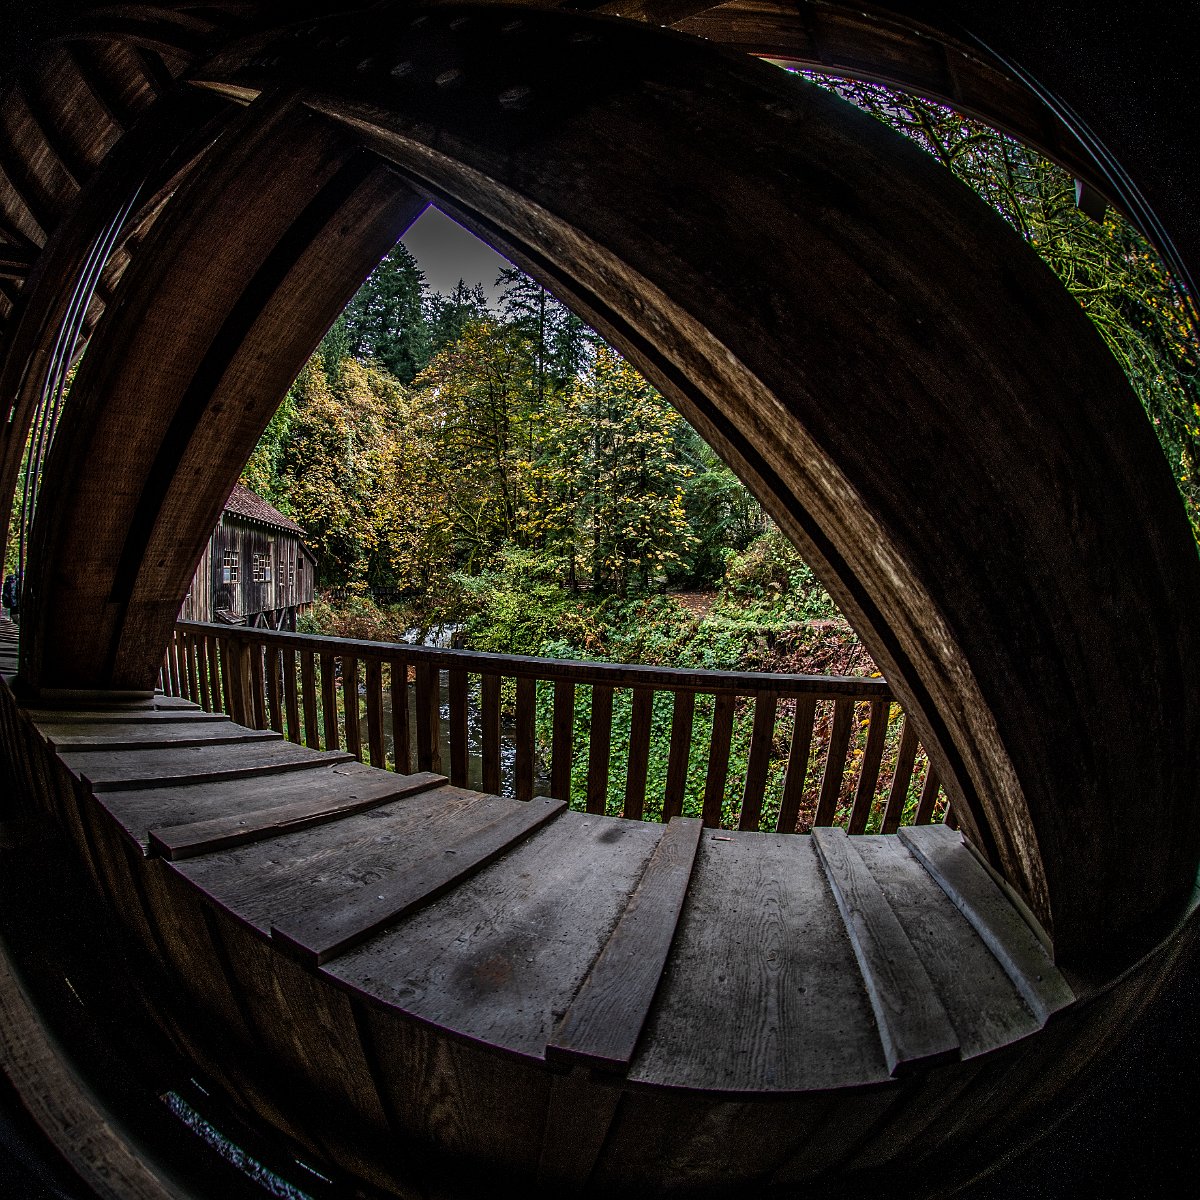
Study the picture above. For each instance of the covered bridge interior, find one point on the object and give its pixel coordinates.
(913, 397)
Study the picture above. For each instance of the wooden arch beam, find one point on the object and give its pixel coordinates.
(253, 259)
(857, 334)
(910, 391)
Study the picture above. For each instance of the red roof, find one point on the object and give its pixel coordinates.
(244, 503)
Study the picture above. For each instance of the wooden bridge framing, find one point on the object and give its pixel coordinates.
(916, 402)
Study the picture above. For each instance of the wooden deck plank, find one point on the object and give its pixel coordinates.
(914, 1027)
(105, 772)
(966, 881)
(323, 932)
(983, 1004)
(149, 735)
(139, 810)
(602, 1026)
(241, 827)
(265, 883)
(761, 992)
(500, 958)
(51, 718)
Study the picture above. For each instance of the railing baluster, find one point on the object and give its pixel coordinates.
(641, 719)
(214, 673)
(290, 701)
(868, 777)
(835, 762)
(333, 739)
(271, 656)
(350, 704)
(458, 726)
(761, 738)
(682, 717)
(193, 670)
(200, 647)
(797, 767)
(718, 759)
(308, 689)
(258, 697)
(401, 753)
(562, 746)
(173, 662)
(429, 750)
(526, 705)
(252, 675)
(929, 794)
(489, 706)
(374, 670)
(599, 748)
(898, 795)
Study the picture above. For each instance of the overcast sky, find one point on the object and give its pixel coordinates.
(446, 252)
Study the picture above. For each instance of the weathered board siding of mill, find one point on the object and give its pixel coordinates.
(255, 569)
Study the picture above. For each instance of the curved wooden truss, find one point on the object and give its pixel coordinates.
(910, 393)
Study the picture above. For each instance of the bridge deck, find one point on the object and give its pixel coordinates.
(337, 916)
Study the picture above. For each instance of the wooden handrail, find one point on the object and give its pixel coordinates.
(616, 675)
(818, 749)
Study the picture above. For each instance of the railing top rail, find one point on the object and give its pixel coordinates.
(620, 675)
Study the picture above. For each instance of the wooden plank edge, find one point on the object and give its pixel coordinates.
(587, 1033)
(250, 771)
(1045, 991)
(307, 935)
(886, 958)
(241, 738)
(192, 838)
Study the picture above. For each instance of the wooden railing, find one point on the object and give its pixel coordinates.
(817, 750)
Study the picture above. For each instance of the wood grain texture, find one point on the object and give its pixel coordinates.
(602, 1026)
(265, 882)
(968, 885)
(913, 1025)
(500, 958)
(983, 1005)
(137, 811)
(105, 772)
(760, 963)
(321, 933)
(252, 825)
(113, 736)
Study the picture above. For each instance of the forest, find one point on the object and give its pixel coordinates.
(500, 467)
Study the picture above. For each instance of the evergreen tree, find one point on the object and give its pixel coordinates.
(385, 320)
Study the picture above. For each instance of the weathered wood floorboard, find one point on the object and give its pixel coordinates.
(913, 1025)
(137, 810)
(762, 977)
(1002, 929)
(984, 1006)
(149, 735)
(602, 1026)
(105, 772)
(243, 826)
(500, 958)
(698, 962)
(324, 931)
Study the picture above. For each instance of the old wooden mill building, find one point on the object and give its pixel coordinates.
(255, 569)
(258, 924)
